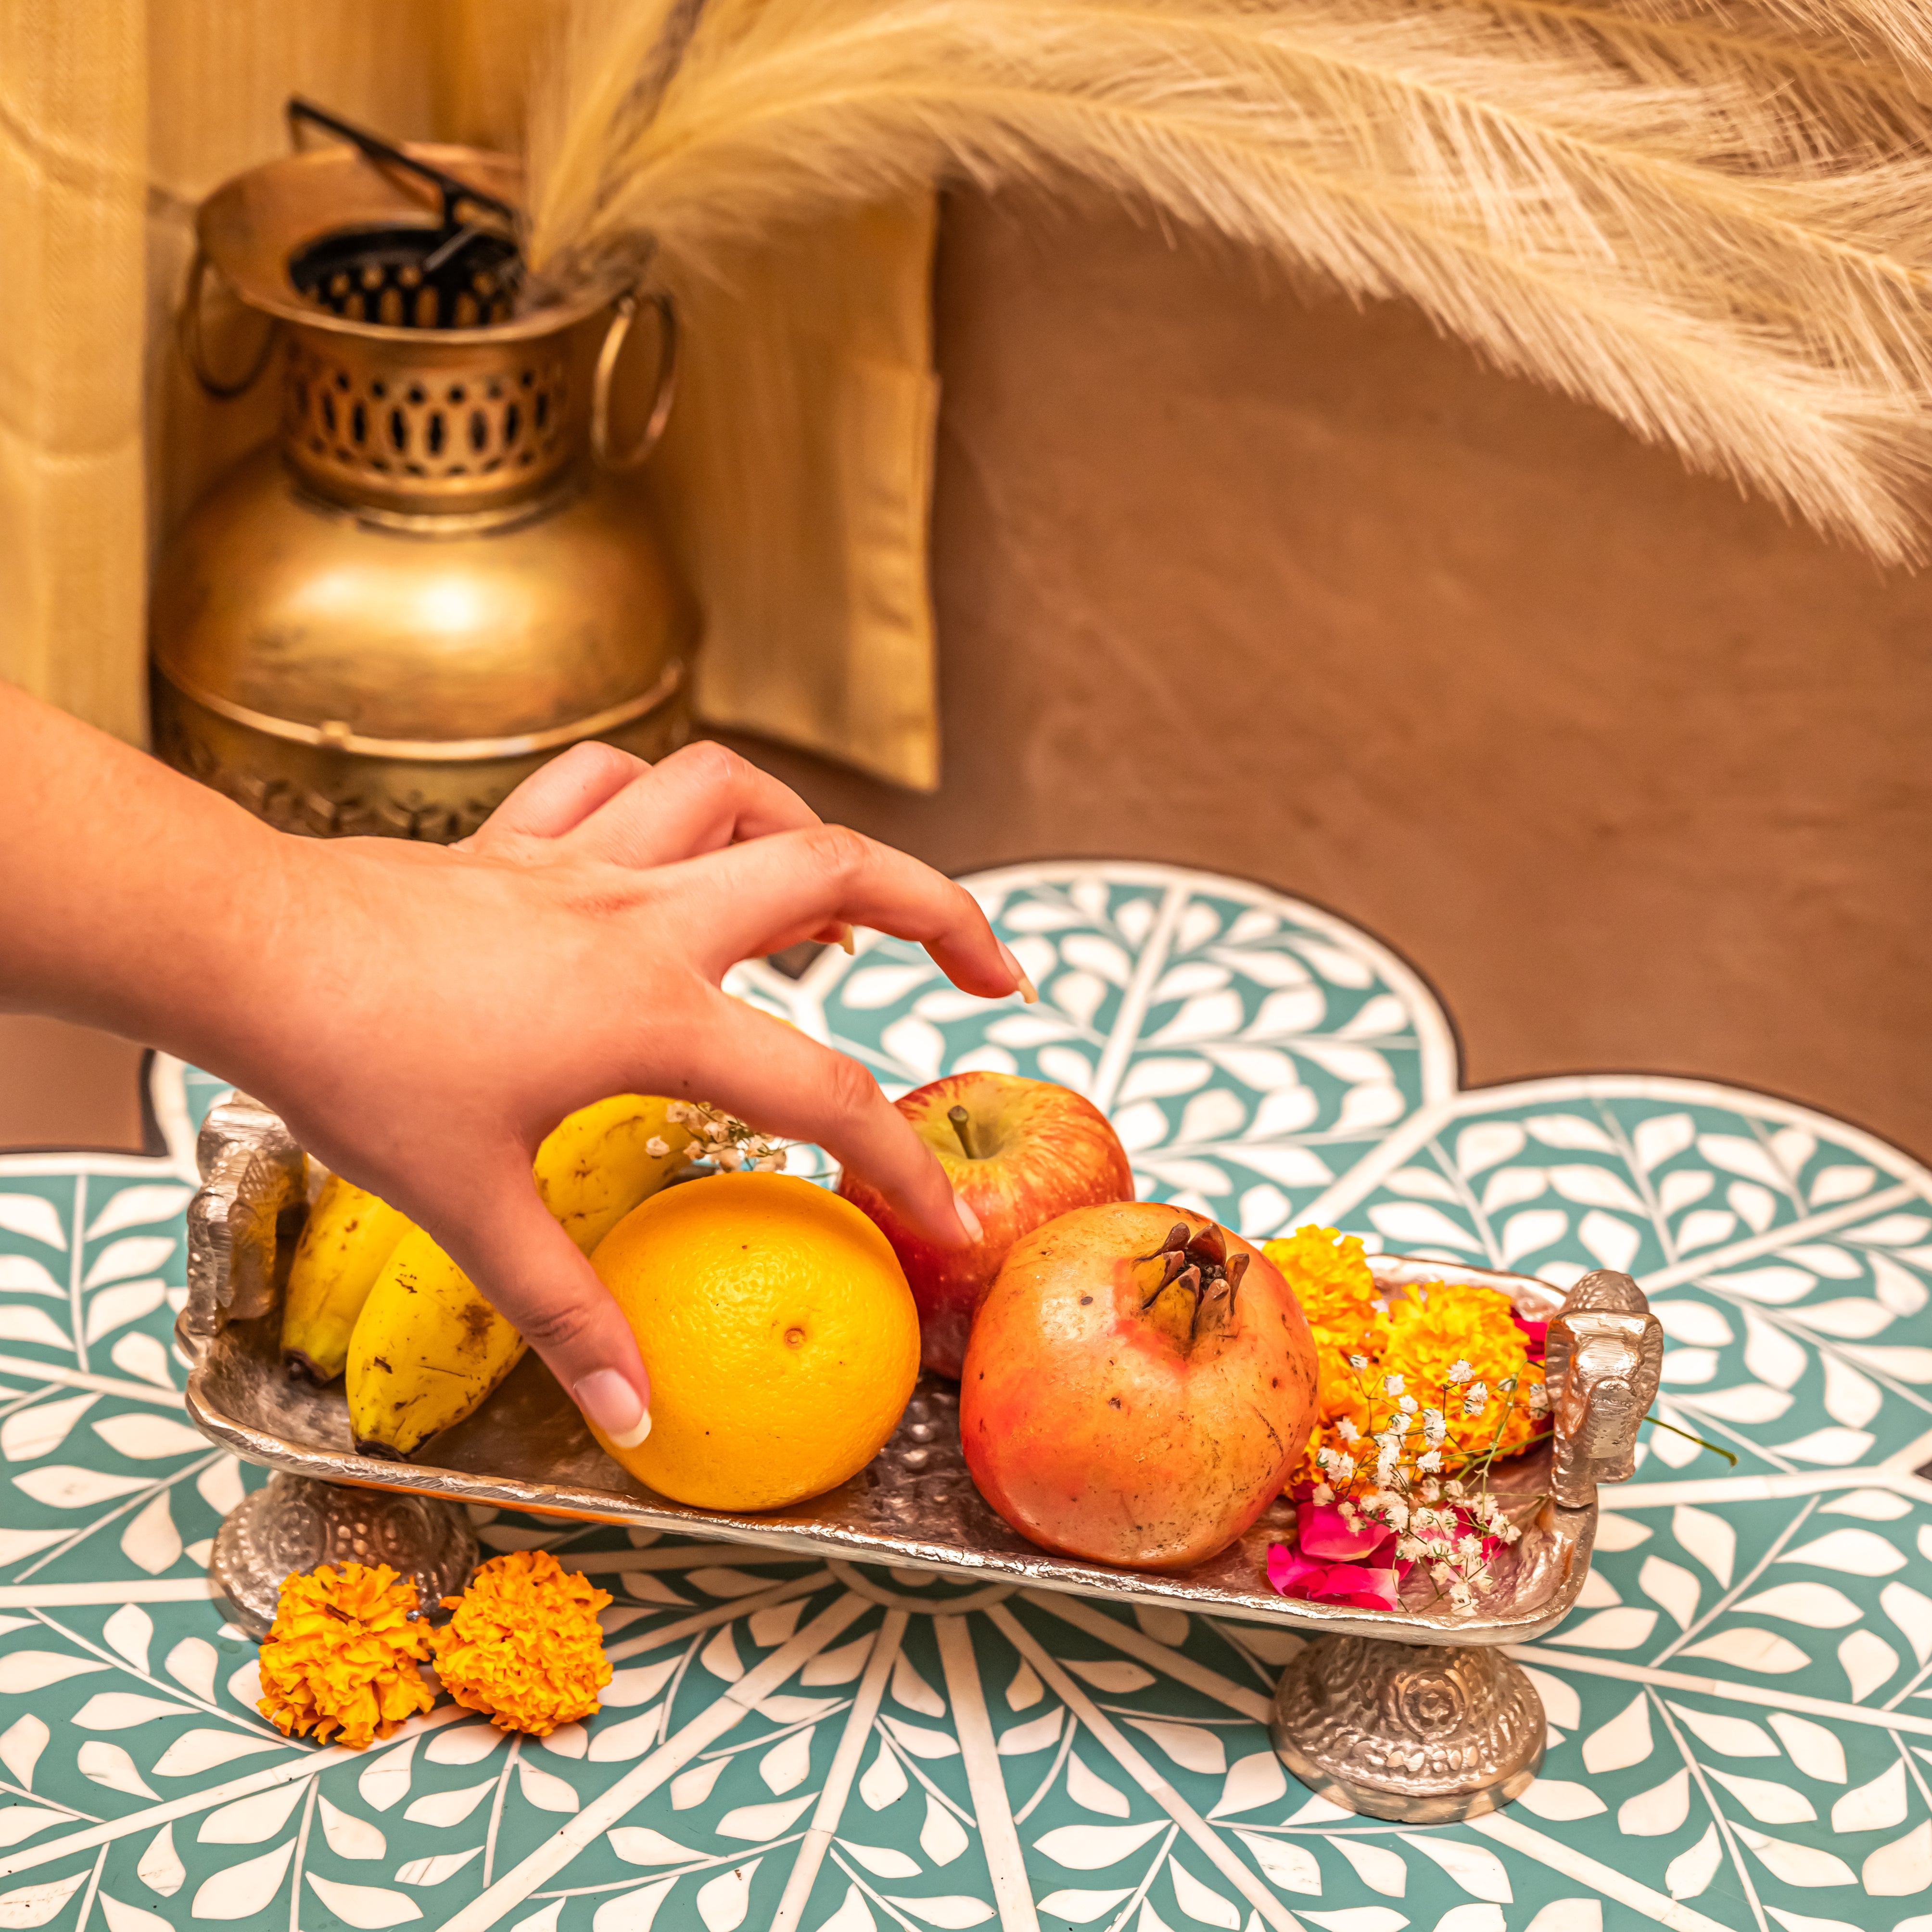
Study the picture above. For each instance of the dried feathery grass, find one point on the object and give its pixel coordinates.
(1706, 217)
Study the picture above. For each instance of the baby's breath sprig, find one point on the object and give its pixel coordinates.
(718, 1136)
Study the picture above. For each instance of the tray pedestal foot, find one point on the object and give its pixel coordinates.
(1421, 1733)
(292, 1523)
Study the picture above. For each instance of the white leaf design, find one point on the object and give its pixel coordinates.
(634, 1911)
(884, 1784)
(67, 1486)
(1868, 1660)
(1139, 1128)
(1592, 1187)
(544, 1789)
(1092, 1847)
(950, 1913)
(1284, 1865)
(1037, 1734)
(1900, 1868)
(1025, 1691)
(911, 1689)
(1093, 953)
(1191, 1748)
(1709, 1538)
(21, 1744)
(1757, 1206)
(129, 1631)
(142, 1435)
(1840, 1184)
(1569, 1131)
(1748, 1402)
(193, 1751)
(1797, 1865)
(1853, 1553)
(1775, 1286)
(720, 1656)
(1473, 1918)
(881, 1860)
(1624, 1741)
(1292, 1011)
(1731, 1737)
(1510, 1187)
(776, 1623)
(466, 1744)
(1655, 1140)
(368, 1907)
(1202, 1903)
(35, 1904)
(36, 1217)
(1816, 1750)
(1911, 1612)
(436, 1870)
(23, 1670)
(1475, 1868)
(639, 1845)
(36, 1326)
(1824, 1258)
(1894, 1231)
(1707, 1226)
(160, 1869)
(920, 1742)
(449, 1806)
(1690, 1368)
(30, 1433)
(788, 1763)
(1898, 1288)
(1560, 1800)
(138, 1208)
(1694, 1322)
(1256, 1779)
(1751, 1648)
(122, 1917)
(349, 1836)
(249, 1820)
(1689, 1873)
(1671, 1585)
(1657, 1812)
(1608, 1630)
(1534, 1228)
(1769, 1804)
(137, 1254)
(1834, 1448)
(22, 1821)
(1561, 1703)
(1846, 1321)
(1817, 1606)
(723, 1903)
(1422, 1183)
(942, 1837)
(567, 1740)
(108, 1764)
(21, 1274)
(241, 1891)
(616, 1743)
(144, 1358)
(627, 1688)
(1379, 1868)
(1487, 1142)
(1733, 1153)
(757, 1821)
(114, 1308)
(1873, 1807)
(1416, 1222)
(1155, 1078)
(1091, 1792)
(192, 1663)
(151, 1540)
(875, 986)
(1610, 1241)
(1215, 1115)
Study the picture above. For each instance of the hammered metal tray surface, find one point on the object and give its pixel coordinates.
(914, 1505)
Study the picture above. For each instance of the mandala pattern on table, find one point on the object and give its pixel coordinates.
(1741, 1707)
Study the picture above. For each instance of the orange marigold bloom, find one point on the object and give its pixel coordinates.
(524, 1645)
(1440, 1325)
(342, 1655)
(1330, 1279)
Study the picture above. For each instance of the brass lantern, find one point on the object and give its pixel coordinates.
(429, 584)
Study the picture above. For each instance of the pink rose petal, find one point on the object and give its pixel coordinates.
(1322, 1532)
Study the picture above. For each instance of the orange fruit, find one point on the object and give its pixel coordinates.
(781, 1337)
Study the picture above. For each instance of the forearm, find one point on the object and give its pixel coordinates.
(130, 898)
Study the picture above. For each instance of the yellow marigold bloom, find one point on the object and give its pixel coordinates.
(1441, 1326)
(342, 1655)
(1331, 1280)
(524, 1645)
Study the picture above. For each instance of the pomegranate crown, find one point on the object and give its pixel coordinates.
(1188, 1285)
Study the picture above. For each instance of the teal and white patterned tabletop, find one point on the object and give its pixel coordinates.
(1741, 1708)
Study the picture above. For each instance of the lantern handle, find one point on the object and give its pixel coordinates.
(193, 349)
(615, 337)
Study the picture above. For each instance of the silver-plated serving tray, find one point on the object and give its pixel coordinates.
(914, 1506)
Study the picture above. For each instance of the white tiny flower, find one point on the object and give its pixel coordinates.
(1439, 1573)
(1408, 1549)
(1477, 1399)
(730, 1158)
(1407, 1405)
(1344, 1467)
(772, 1162)
(1511, 1532)
(1430, 1463)
(1434, 1429)
(1347, 1430)
(1469, 1547)
(1322, 1494)
(1431, 1490)
(1391, 1385)
(1461, 1371)
(657, 1147)
(1460, 1600)
(1358, 1361)
(1325, 1458)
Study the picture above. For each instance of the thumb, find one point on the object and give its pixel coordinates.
(534, 1275)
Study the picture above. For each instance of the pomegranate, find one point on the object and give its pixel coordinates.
(1138, 1384)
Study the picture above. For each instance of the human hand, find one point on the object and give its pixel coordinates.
(430, 1014)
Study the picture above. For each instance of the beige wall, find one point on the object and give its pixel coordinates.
(1640, 777)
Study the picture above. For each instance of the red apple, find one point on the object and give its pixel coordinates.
(1139, 1385)
(1019, 1152)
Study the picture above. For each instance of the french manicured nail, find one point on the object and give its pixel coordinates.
(1025, 987)
(846, 939)
(968, 1219)
(611, 1402)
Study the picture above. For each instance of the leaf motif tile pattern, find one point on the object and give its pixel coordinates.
(1740, 1712)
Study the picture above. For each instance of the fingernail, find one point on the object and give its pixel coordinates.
(968, 1219)
(846, 939)
(1023, 986)
(609, 1400)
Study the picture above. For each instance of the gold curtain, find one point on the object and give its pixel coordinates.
(796, 482)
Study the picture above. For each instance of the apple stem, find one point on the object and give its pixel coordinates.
(962, 1126)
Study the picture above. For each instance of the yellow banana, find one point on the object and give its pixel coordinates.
(600, 1163)
(350, 1233)
(428, 1348)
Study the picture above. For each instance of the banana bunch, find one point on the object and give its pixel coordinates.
(373, 1295)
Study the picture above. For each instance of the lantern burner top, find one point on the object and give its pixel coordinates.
(411, 275)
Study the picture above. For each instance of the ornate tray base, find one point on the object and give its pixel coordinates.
(1418, 1732)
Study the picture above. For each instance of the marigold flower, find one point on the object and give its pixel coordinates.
(341, 1658)
(524, 1646)
(1444, 1327)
